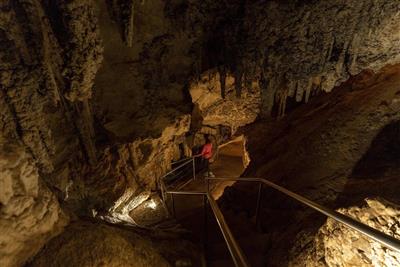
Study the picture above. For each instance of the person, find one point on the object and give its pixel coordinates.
(206, 154)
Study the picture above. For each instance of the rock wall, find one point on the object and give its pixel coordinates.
(314, 151)
(29, 212)
(127, 173)
(216, 98)
(337, 245)
(88, 244)
(297, 48)
(47, 68)
(47, 64)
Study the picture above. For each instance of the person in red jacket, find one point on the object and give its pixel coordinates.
(206, 154)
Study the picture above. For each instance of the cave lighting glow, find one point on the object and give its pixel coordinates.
(152, 204)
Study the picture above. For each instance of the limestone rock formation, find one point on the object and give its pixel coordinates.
(337, 245)
(88, 244)
(29, 212)
(300, 47)
(101, 96)
(313, 151)
(126, 174)
(216, 97)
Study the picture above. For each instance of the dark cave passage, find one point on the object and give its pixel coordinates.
(382, 159)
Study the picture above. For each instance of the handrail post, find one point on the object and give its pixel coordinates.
(208, 185)
(205, 226)
(173, 205)
(194, 169)
(260, 187)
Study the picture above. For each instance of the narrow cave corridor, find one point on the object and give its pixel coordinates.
(199, 133)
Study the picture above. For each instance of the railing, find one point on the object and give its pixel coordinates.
(234, 249)
(384, 239)
(236, 252)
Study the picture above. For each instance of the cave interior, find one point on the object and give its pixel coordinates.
(108, 109)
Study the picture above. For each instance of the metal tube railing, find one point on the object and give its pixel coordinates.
(176, 168)
(236, 252)
(374, 234)
(234, 249)
(185, 192)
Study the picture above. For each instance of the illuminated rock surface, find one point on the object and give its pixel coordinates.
(29, 212)
(87, 244)
(337, 245)
(230, 110)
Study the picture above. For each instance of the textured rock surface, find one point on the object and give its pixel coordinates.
(219, 104)
(87, 244)
(298, 47)
(29, 212)
(337, 245)
(102, 124)
(46, 62)
(136, 168)
(314, 150)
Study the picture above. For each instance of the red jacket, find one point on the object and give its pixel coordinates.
(206, 152)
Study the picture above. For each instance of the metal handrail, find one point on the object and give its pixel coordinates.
(185, 192)
(236, 252)
(374, 234)
(178, 167)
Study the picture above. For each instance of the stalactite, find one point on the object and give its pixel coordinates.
(291, 88)
(299, 91)
(308, 90)
(129, 26)
(238, 82)
(85, 49)
(86, 130)
(281, 99)
(222, 77)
